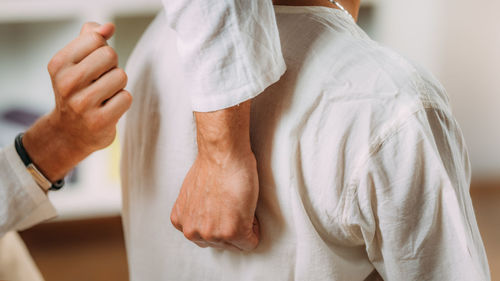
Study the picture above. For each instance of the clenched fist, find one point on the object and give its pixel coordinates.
(88, 88)
(217, 201)
(90, 99)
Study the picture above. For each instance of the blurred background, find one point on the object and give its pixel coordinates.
(458, 40)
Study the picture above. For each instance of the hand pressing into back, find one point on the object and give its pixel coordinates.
(217, 202)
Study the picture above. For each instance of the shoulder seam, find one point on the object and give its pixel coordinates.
(353, 182)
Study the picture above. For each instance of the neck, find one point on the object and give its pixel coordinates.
(352, 6)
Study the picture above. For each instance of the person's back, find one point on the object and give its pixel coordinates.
(362, 169)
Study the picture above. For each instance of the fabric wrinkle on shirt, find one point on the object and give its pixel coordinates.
(230, 50)
(363, 170)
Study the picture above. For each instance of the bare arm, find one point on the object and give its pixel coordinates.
(216, 204)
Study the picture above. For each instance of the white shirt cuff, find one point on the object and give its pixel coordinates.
(43, 208)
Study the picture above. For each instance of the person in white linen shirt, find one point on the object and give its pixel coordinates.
(363, 170)
(88, 89)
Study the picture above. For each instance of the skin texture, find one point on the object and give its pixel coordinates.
(88, 89)
(217, 201)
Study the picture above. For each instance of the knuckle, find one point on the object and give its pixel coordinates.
(67, 84)
(229, 233)
(202, 245)
(97, 38)
(190, 234)
(208, 235)
(174, 219)
(78, 105)
(128, 98)
(88, 26)
(122, 76)
(110, 54)
(55, 64)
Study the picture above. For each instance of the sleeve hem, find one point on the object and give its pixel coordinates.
(237, 96)
(42, 212)
(43, 208)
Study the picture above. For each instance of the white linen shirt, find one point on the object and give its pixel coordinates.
(363, 170)
(22, 202)
(229, 49)
(15, 260)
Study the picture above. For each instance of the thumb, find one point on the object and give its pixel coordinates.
(106, 30)
(251, 239)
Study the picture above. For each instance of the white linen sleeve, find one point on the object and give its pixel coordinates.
(412, 205)
(22, 202)
(230, 49)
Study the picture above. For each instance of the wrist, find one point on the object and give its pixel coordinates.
(223, 148)
(52, 151)
(223, 158)
(225, 133)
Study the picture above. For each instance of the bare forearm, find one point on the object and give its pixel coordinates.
(224, 133)
(217, 201)
(51, 150)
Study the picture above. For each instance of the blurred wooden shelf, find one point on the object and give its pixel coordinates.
(81, 250)
(485, 195)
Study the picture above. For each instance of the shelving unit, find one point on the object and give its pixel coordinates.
(31, 32)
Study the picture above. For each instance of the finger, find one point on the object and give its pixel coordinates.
(96, 64)
(81, 47)
(218, 245)
(175, 218)
(177, 226)
(105, 87)
(106, 30)
(117, 105)
(224, 246)
(92, 36)
(251, 240)
(193, 235)
(89, 40)
(201, 244)
(89, 27)
(229, 246)
(215, 245)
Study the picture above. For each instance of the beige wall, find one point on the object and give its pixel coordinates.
(460, 44)
(471, 72)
